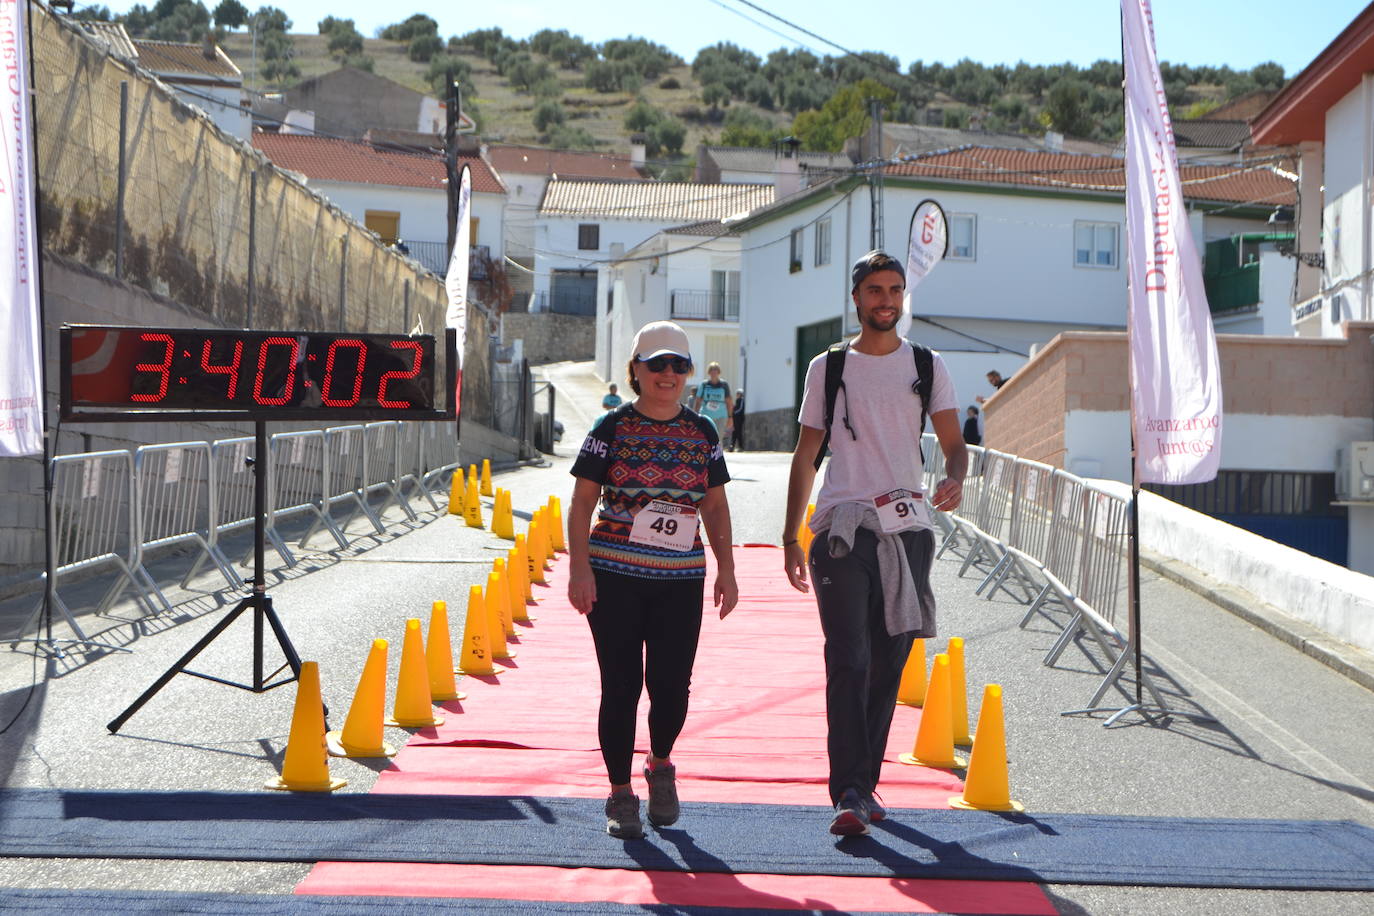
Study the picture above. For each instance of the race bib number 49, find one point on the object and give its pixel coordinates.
(665, 524)
(900, 510)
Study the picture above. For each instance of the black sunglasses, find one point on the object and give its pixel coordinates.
(681, 364)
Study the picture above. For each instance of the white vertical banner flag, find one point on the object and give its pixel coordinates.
(927, 242)
(21, 370)
(1175, 371)
(456, 280)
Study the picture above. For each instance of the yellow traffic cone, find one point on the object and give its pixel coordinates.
(472, 504)
(439, 656)
(534, 547)
(519, 583)
(958, 693)
(497, 607)
(486, 478)
(455, 494)
(912, 691)
(503, 595)
(502, 520)
(306, 765)
(362, 732)
(413, 707)
(559, 543)
(476, 657)
(987, 787)
(546, 532)
(934, 738)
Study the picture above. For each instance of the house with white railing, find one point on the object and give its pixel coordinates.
(400, 194)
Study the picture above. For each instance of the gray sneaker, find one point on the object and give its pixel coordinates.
(851, 815)
(663, 807)
(622, 816)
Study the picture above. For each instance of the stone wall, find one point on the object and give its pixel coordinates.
(550, 337)
(771, 430)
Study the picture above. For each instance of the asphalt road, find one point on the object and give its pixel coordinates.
(1292, 738)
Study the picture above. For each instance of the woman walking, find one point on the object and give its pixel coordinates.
(639, 574)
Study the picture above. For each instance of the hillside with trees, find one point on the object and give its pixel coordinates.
(558, 89)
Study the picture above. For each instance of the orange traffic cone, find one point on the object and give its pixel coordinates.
(987, 787)
(503, 595)
(496, 612)
(485, 481)
(502, 520)
(546, 532)
(519, 578)
(306, 765)
(413, 707)
(439, 656)
(534, 548)
(912, 691)
(472, 502)
(476, 657)
(958, 693)
(362, 732)
(934, 737)
(559, 542)
(455, 493)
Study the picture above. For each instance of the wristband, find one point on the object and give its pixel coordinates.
(789, 543)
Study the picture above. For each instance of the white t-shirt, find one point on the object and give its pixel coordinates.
(885, 413)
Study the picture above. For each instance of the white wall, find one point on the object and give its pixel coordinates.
(524, 192)
(1348, 162)
(424, 214)
(1098, 442)
(556, 244)
(225, 107)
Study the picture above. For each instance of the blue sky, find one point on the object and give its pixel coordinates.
(1240, 33)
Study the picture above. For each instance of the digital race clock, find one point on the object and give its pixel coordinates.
(122, 373)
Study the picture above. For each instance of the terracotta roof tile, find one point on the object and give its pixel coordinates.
(679, 202)
(1257, 184)
(165, 57)
(536, 160)
(327, 159)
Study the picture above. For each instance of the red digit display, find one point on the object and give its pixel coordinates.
(289, 385)
(352, 344)
(414, 347)
(231, 370)
(162, 368)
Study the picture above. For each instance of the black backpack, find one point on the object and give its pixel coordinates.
(834, 382)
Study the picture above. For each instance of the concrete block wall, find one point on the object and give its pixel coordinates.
(550, 337)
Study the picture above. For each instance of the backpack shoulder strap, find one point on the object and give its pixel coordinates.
(834, 381)
(925, 377)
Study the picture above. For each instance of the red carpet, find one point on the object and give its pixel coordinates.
(755, 733)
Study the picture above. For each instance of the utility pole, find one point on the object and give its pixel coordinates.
(875, 175)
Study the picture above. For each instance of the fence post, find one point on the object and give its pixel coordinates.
(252, 243)
(123, 175)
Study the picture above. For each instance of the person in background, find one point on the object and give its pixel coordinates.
(972, 434)
(639, 573)
(713, 401)
(737, 418)
(612, 399)
(995, 380)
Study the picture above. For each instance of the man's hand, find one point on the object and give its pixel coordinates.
(948, 494)
(794, 562)
(582, 588)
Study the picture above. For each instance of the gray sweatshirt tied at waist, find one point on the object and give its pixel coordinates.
(903, 604)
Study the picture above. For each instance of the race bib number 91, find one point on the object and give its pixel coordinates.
(899, 510)
(665, 524)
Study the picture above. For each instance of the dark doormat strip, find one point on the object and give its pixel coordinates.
(730, 838)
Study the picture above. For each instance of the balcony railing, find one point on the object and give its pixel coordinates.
(703, 305)
(433, 257)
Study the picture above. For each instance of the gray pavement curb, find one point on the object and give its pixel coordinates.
(1347, 660)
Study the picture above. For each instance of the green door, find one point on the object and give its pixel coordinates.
(811, 340)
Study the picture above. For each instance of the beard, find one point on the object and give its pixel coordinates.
(866, 318)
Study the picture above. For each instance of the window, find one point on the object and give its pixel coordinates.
(823, 242)
(386, 223)
(963, 237)
(794, 260)
(1094, 244)
(473, 222)
(588, 237)
(724, 295)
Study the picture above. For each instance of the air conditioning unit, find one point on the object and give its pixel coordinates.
(1355, 471)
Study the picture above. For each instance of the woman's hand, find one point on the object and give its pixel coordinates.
(726, 592)
(582, 588)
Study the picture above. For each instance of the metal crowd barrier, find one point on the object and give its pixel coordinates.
(113, 507)
(1058, 540)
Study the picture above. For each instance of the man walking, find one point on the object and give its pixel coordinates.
(873, 548)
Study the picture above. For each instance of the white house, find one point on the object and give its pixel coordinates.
(1327, 111)
(582, 226)
(688, 274)
(1035, 249)
(202, 75)
(400, 195)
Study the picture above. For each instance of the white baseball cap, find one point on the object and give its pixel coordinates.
(661, 337)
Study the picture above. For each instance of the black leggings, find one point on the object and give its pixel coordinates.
(646, 633)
